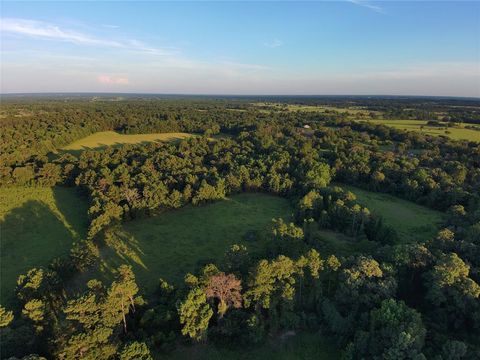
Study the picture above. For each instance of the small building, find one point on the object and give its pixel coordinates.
(305, 130)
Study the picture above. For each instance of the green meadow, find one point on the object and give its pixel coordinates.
(455, 133)
(312, 108)
(37, 224)
(413, 222)
(176, 242)
(111, 138)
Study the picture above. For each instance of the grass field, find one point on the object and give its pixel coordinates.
(303, 346)
(338, 244)
(412, 221)
(313, 108)
(109, 138)
(37, 224)
(176, 242)
(415, 125)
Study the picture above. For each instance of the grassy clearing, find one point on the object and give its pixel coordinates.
(312, 108)
(338, 244)
(176, 242)
(111, 138)
(455, 133)
(37, 224)
(413, 222)
(304, 346)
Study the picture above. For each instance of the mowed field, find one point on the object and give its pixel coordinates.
(413, 222)
(176, 242)
(112, 138)
(37, 224)
(415, 125)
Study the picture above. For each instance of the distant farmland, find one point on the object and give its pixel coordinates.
(455, 133)
(111, 138)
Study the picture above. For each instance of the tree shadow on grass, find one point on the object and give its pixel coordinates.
(126, 249)
(30, 236)
(116, 248)
(74, 208)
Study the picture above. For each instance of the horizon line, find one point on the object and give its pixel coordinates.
(230, 94)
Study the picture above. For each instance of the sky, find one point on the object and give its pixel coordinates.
(354, 47)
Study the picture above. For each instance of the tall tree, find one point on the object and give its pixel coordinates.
(195, 314)
(225, 288)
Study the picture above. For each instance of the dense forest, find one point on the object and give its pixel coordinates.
(398, 300)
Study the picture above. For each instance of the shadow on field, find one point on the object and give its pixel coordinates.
(70, 206)
(31, 235)
(75, 153)
(125, 247)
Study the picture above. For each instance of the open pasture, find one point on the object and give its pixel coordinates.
(312, 108)
(413, 222)
(455, 133)
(176, 242)
(37, 224)
(112, 138)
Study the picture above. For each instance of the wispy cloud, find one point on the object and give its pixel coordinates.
(115, 80)
(368, 5)
(109, 26)
(274, 43)
(44, 30)
(40, 29)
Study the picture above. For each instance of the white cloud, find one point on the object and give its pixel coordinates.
(49, 31)
(109, 79)
(44, 30)
(274, 43)
(109, 26)
(368, 5)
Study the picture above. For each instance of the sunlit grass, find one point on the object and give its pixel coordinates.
(110, 138)
(412, 222)
(456, 133)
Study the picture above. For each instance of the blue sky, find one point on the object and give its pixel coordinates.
(270, 47)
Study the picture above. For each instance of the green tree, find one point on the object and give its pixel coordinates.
(34, 310)
(453, 293)
(121, 296)
(395, 332)
(135, 351)
(195, 314)
(318, 176)
(96, 315)
(6, 317)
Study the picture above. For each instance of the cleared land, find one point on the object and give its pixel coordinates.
(37, 224)
(312, 108)
(303, 346)
(112, 138)
(456, 133)
(413, 222)
(336, 243)
(176, 242)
